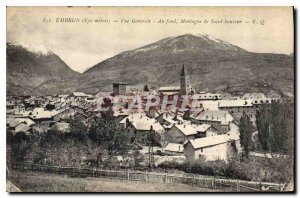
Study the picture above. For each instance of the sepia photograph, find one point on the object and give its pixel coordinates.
(150, 99)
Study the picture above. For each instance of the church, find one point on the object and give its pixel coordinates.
(184, 88)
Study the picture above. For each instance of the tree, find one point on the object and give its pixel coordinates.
(95, 154)
(151, 138)
(275, 126)
(263, 129)
(9, 137)
(245, 129)
(78, 130)
(21, 145)
(146, 88)
(107, 134)
(107, 114)
(138, 158)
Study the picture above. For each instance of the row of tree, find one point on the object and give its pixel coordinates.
(100, 138)
(275, 126)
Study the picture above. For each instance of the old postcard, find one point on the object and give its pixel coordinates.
(150, 99)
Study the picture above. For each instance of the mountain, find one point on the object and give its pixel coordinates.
(212, 64)
(37, 73)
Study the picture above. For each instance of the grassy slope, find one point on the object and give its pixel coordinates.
(43, 182)
(211, 66)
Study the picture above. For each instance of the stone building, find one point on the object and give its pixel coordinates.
(119, 88)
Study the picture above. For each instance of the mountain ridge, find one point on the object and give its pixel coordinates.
(213, 64)
(206, 57)
(36, 73)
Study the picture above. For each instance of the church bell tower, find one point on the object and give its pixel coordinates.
(185, 86)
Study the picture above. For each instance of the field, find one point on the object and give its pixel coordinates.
(44, 182)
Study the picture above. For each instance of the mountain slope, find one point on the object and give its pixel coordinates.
(212, 64)
(36, 73)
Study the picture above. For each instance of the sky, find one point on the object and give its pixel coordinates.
(83, 45)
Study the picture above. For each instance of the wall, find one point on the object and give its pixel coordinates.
(174, 135)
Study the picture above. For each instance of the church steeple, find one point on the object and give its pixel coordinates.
(183, 71)
(184, 82)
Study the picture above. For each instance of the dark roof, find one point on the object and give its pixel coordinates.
(183, 71)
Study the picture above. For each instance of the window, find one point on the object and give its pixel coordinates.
(201, 150)
(132, 139)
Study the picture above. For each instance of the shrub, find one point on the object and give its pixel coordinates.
(255, 169)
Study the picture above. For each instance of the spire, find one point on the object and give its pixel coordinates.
(183, 72)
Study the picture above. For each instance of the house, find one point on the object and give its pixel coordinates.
(10, 108)
(22, 128)
(253, 96)
(169, 89)
(12, 124)
(220, 120)
(219, 147)
(137, 126)
(80, 94)
(120, 114)
(62, 95)
(174, 149)
(20, 107)
(208, 105)
(40, 115)
(235, 106)
(205, 130)
(61, 127)
(120, 88)
(133, 116)
(180, 133)
(138, 131)
(42, 127)
(238, 107)
(259, 98)
(64, 114)
(206, 96)
(15, 125)
(26, 120)
(167, 119)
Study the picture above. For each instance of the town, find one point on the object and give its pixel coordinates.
(150, 99)
(208, 132)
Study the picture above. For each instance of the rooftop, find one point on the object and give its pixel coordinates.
(202, 127)
(220, 116)
(186, 129)
(209, 141)
(235, 103)
(173, 147)
(169, 88)
(248, 96)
